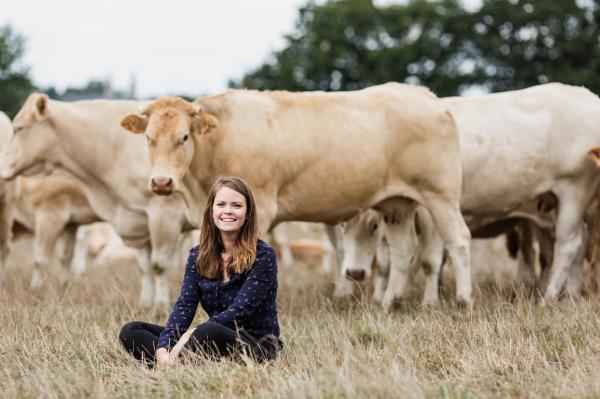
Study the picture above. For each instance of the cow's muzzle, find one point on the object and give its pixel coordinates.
(162, 185)
(356, 274)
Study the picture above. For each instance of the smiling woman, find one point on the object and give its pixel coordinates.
(233, 275)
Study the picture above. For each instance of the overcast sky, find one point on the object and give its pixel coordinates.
(171, 47)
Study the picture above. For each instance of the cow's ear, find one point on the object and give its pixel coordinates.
(205, 123)
(40, 108)
(594, 155)
(135, 123)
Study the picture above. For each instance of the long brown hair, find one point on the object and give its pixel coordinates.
(210, 264)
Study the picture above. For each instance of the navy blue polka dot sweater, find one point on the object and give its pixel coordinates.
(246, 301)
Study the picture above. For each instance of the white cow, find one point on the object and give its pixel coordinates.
(49, 207)
(517, 148)
(319, 157)
(85, 140)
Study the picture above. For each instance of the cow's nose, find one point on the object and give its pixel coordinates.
(162, 185)
(355, 274)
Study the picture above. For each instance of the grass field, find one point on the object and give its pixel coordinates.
(59, 343)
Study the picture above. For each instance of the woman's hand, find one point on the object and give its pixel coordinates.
(166, 359)
(163, 358)
(181, 343)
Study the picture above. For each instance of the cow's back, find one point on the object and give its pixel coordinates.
(520, 142)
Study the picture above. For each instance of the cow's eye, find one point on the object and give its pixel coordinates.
(184, 139)
(374, 227)
(18, 129)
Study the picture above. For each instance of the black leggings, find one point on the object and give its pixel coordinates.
(212, 339)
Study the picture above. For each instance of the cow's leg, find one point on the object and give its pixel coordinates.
(49, 223)
(335, 238)
(329, 253)
(344, 287)
(165, 225)
(147, 284)
(575, 278)
(569, 235)
(456, 236)
(431, 256)
(546, 244)
(66, 256)
(400, 233)
(526, 254)
(383, 264)
(80, 252)
(280, 237)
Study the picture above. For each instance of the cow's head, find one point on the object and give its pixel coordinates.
(33, 137)
(170, 125)
(361, 237)
(594, 155)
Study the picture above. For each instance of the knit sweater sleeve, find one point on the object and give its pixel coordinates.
(185, 308)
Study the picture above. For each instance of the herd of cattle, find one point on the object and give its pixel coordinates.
(400, 177)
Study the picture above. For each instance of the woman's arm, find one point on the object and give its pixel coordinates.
(185, 308)
(166, 359)
(261, 278)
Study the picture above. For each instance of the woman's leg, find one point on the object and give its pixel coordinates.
(140, 338)
(217, 340)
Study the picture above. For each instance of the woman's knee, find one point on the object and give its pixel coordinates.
(126, 331)
(212, 336)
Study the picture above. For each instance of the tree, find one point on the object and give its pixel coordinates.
(15, 83)
(506, 44)
(527, 42)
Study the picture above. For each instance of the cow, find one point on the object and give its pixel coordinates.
(523, 148)
(50, 207)
(84, 140)
(317, 157)
(47, 206)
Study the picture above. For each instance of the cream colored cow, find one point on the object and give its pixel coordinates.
(319, 157)
(85, 140)
(522, 147)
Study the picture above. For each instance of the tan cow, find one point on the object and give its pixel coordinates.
(85, 140)
(319, 157)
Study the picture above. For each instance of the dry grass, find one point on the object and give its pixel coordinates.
(63, 343)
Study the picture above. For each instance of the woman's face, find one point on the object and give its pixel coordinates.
(229, 210)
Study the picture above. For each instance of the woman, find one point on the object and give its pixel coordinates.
(233, 275)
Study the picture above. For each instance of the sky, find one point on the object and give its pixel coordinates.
(168, 47)
(171, 47)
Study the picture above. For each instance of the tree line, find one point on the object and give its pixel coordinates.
(351, 44)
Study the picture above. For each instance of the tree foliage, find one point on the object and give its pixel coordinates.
(15, 83)
(505, 44)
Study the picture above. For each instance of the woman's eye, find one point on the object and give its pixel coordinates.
(17, 129)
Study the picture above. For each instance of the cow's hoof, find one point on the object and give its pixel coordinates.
(464, 304)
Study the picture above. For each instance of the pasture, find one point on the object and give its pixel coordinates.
(63, 342)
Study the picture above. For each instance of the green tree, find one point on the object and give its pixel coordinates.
(506, 44)
(15, 83)
(527, 42)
